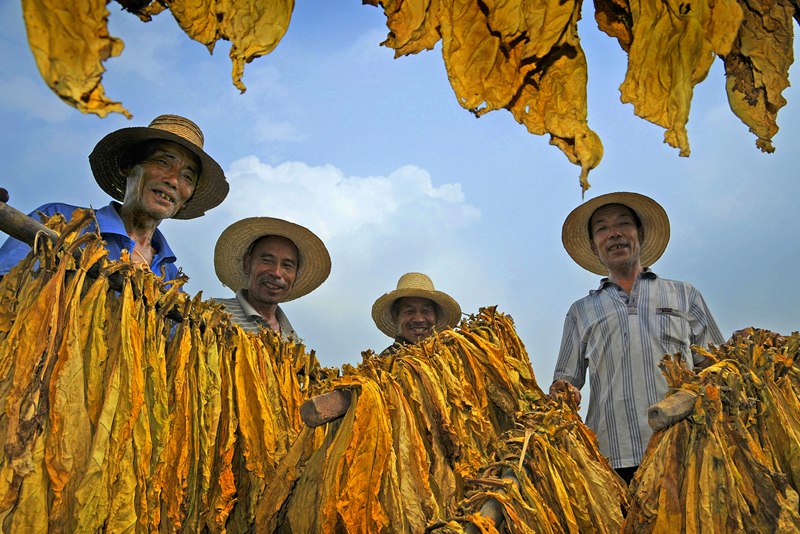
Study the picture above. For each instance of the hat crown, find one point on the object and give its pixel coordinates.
(415, 281)
(180, 126)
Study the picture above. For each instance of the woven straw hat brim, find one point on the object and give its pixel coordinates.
(212, 186)
(575, 232)
(315, 262)
(382, 309)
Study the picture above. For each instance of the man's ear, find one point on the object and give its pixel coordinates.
(593, 247)
(246, 264)
(641, 235)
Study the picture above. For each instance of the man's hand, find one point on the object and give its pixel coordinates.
(705, 363)
(562, 387)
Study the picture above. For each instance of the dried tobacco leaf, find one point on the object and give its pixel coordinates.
(731, 465)
(117, 418)
(516, 55)
(674, 44)
(70, 42)
(757, 67)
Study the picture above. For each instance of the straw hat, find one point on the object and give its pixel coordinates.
(415, 285)
(315, 262)
(105, 160)
(575, 232)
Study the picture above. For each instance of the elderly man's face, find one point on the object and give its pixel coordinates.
(163, 182)
(271, 267)
(415, 318)
(616, 239)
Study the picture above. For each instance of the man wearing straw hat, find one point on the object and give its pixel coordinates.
(620, 331)
(157, 172)
(267, 261)
(411, 312)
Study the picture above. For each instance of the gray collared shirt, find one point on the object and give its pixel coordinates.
(250, 320)
(620, 340)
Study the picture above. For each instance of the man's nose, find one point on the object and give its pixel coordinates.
(172, 177)
(275, 270)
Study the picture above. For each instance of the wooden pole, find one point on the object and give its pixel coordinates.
(19, 226)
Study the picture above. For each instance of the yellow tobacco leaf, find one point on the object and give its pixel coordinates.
(359, 472)
(674, 44)
(414, 24)
(524, 56)
(67, 446)
(254, 28)
(70, 41)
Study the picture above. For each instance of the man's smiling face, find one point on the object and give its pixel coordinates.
(163, 182)
(271, 267)
(415, 318)
(616, 237)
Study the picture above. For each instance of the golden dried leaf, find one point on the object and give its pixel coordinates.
(70, 42)
(674, 44)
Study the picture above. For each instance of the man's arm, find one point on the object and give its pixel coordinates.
(570, 372)
(704, 329)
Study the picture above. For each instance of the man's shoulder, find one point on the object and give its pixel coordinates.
(226, 302)
(52, 208)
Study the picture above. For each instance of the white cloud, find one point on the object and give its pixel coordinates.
(336, 205)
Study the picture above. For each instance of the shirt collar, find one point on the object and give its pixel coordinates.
(605, 282)
(110, 222)
(250, 311)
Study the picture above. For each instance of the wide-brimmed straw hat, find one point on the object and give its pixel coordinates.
(575, 232)
(235, 241)
(108, 155)
(415, 285)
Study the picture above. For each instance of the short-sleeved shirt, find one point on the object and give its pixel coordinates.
(246, 316)
(113, 232)
(620, 340)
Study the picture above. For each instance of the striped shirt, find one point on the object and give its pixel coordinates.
(620, 340)
(250, 320)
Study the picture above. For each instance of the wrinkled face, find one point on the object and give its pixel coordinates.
(616, 238)
(415, 318)
(271, 268)
(163, 182)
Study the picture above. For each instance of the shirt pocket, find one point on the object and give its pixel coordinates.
(674, 331)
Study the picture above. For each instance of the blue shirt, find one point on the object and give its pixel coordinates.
(113, 232)
(620, 339)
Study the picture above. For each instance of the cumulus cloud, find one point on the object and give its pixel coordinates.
(338, 206)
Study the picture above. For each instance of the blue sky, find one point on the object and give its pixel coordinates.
(375, 155)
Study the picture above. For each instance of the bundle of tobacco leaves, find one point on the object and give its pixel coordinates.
(450, 417)
(114, 417)
(550, 478)
(733, 465)
(420, 424)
